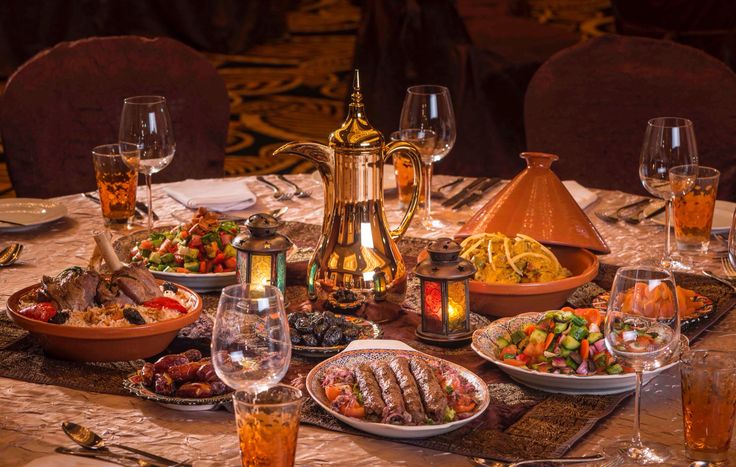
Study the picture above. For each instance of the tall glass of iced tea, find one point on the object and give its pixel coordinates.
(708, 403)
(268, 425)
(693, 210)
(116, 183)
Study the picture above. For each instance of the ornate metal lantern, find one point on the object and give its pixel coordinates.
(262, 252)
(443, 279)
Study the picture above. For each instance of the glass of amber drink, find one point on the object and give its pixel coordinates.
(268, 424)
(708, 403)
(693, 211)
(116, 183)
(404, 172)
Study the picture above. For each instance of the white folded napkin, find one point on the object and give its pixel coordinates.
(583, 196)
(218, 195)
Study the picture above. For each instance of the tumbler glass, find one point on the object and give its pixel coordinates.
(708, 403)
(693, 211)
(268, 425)
(116, 183)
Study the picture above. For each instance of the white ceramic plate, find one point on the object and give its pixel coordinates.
(389, 178)
(722, 215)
(352, 357)
(213, 281)
(29, 211)
(484, 344)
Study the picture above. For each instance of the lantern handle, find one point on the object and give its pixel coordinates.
(416, 161)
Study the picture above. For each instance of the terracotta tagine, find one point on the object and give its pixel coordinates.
(536, 203)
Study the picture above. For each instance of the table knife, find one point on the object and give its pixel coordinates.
(138, 214)
(464, 192)
(477, 193)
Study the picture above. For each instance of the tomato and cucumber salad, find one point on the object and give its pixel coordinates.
(192, 248)
(566, 341)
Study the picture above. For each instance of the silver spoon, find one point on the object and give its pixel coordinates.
(89, 439)
(561, 460)
(10, 254)
(105, 457)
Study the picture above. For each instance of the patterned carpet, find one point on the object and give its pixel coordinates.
(294, 89)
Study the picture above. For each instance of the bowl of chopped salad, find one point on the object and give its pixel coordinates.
(197, 254)
(558, 351)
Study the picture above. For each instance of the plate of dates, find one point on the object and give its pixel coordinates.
(322, 333)
(185, 381)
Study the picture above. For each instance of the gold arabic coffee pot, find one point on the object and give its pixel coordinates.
(357, 248)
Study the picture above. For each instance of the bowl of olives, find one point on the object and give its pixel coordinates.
(323, 333)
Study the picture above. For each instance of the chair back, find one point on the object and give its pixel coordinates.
(590, 105)
(68, 99)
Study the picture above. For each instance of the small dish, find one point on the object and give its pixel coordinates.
(350, 358)
(601, 303)
(29, 211)
(368, 330)
(484, 344)
(177, 403)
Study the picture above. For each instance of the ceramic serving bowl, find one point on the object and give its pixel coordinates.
(99, 344)
(512, 299)
(485, 345)
(211, 281)
(503, 300)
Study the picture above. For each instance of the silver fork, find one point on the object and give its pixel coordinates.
(299, 193)
(277, 193)
(728, 268)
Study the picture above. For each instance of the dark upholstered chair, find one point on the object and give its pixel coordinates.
(68, 99)
(590, 105)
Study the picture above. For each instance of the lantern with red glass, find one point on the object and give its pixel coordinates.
(443, 279)
(262, 254)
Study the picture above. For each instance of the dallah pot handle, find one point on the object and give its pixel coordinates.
(410, 151)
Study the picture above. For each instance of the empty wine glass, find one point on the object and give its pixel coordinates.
(145, 126)
(250, 345)
(642, 330)
(669, 148)
(428, 122)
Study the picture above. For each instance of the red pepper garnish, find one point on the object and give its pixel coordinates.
(43, 311)
(165, 302)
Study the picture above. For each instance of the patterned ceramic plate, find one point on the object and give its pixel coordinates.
(352, 358)
(484, 344)
(213, 281)
(368, 330)
(601, 303)
(176, 403)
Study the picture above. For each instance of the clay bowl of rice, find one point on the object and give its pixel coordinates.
(541, 278)
(101, 334)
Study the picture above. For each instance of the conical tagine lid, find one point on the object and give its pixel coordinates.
(536, 203)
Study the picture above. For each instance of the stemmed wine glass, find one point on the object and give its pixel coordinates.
(428, 122)
(668, 167)
(146, 138)
(250, 345)
(642, 330)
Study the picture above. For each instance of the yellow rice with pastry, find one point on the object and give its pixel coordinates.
(503, 260)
